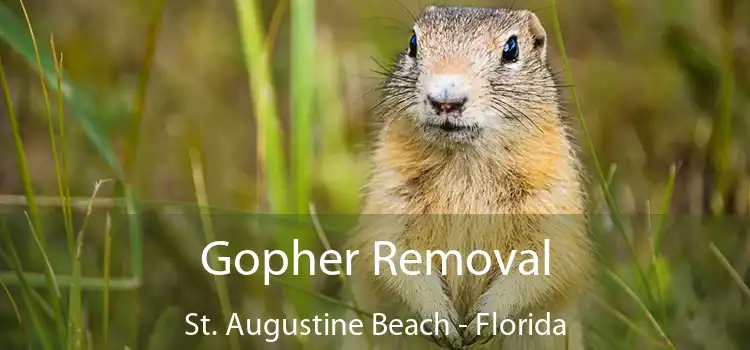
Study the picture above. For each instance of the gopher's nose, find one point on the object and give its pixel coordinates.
(446, 106)
(447, 93)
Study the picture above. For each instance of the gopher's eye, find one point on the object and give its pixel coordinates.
(510, 50)
(413, 46)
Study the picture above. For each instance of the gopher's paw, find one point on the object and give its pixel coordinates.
(444, 334)
(481, 325)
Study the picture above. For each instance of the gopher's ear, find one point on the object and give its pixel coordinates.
(538, 34)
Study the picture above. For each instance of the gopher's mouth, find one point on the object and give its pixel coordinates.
(448, 126)
(452, 127)
(453, 131)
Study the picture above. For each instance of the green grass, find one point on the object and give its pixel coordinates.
(10, 297)
(606, 190)
(10, 256)
(71, 331)
(303, 41)
(17, 36)
(208, 231)
(270, 151)
(295, 163)
(106, 283)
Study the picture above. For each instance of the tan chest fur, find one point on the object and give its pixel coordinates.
(467, 201)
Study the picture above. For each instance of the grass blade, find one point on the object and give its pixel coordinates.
(13, 32)
(273, 27)
(721, 135)
(77, 334)
(43, 304)
(302, 93)
(642, 306)
(127, 183)
(63, 172)
(628, 322)
(657, 237)
(303, 38)
(23, 169)
(36, 280)
(665, 206)
(11, 258)
(327, 245)
(732, 272)
(54, 290)
(139, 102)
(16, 311)
(23, 172)
(35, 221)
(105, 287)
(202, 199)
(587, 136)
(270, 152)
(604, 184)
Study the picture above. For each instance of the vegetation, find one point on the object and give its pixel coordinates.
(138, 131)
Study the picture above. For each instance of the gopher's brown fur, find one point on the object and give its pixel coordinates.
(511, 157)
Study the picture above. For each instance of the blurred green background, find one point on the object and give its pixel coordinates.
(177, 103)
